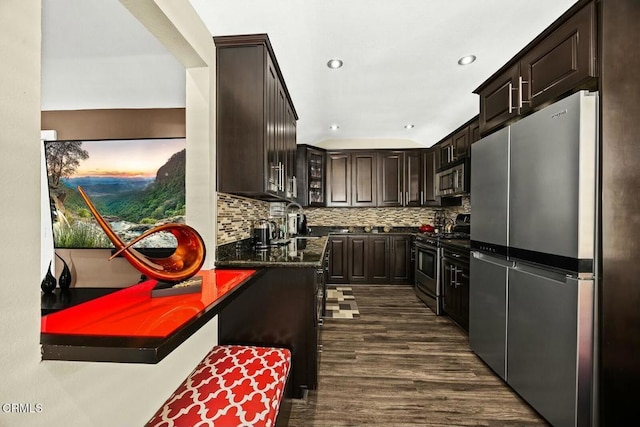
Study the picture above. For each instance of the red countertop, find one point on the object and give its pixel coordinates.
(133, 315)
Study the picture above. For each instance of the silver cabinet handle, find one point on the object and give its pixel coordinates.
(511, 89)
(520, 100)
(422, 197)
(401, 197)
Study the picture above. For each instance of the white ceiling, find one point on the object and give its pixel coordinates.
(400, 59)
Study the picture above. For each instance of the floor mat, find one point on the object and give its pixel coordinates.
(341, 304)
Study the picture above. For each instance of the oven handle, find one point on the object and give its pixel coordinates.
(427, 248)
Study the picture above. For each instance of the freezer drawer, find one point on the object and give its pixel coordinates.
(550, 342)
(488, 310)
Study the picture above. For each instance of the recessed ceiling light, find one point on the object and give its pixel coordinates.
(334, 127)
(466, 60)
(409, 126)
(334, 63)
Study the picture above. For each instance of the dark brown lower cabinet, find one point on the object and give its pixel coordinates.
(281, 310)
(338, 265)
(370, 258)
(379, 259)
(455, 286)
(401, 264)
(358, 256)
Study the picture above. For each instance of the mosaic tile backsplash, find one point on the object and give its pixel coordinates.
(236, 216)
(392, 217)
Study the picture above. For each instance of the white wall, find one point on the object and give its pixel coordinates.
(70, 393)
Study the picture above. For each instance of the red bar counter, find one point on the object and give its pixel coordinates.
(130, 326)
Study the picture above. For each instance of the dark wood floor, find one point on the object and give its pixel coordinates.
(400, 365)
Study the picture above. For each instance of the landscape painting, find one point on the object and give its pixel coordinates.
(134, 184)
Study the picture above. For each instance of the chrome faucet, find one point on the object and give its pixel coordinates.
(287, 234)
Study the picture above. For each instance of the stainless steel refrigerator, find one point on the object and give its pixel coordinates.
(533, 268)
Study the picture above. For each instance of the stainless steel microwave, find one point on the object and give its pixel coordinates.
(453, 181)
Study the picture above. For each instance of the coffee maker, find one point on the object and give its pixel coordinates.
(262, 234)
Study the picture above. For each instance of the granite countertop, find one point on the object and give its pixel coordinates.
(457, 243)
(302, 252)
(306, 252)
(324, 231)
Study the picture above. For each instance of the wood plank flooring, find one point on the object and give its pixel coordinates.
(398, 364)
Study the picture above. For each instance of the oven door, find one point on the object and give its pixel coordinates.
(427, 276)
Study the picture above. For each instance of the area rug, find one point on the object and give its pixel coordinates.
(341, 304)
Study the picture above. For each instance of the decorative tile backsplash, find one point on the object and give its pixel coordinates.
(236, 216)
(392, 217)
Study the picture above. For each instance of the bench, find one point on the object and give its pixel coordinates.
(233, 385)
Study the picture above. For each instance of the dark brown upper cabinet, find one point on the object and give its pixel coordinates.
(310, 176)
(256, 120)
(338, 179)
(561, 60)
(497, 100)
(413, 178)
(431, 162)
(390, 178)
(351, 178)
(384, 178)
(400, 178)
(363, 178)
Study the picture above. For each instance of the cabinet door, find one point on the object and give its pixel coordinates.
(338, 179)
(272, 128)
(445, 153)
(460, 142)
(390, 178)
(430, 161)
(358, 247)
(290, 151)
(316, 183)
(561, 61)
(449, 300)
(379, 263)
(363, 179)
(401, 267)
(281, 141)
(413, 180)
(474, 132)
(455, 287)
(338, 260)
(498, 100)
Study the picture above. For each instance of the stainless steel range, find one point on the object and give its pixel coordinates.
(427, 272)
(428, 265)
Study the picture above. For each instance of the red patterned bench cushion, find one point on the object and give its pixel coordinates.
(232, 386)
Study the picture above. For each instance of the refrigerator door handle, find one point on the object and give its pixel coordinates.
(542, 272)
(492, 260)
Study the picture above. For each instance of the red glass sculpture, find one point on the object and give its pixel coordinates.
(182, 264)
